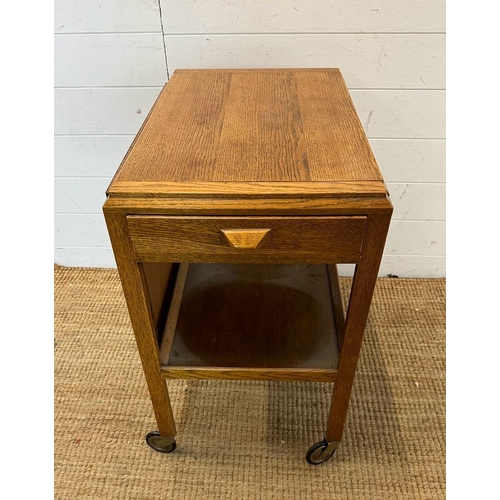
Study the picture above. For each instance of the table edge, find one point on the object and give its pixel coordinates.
(375, 188)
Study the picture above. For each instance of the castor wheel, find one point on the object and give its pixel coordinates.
(321, 452)
(164, 444)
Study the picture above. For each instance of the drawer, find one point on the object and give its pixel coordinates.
(277, 240)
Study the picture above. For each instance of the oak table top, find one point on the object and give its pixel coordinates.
(246, 133)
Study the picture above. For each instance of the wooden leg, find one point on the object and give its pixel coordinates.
(134, 288)
(362, 289)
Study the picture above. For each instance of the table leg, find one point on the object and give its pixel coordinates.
(134, 287)
(363, 286)
(362, 289)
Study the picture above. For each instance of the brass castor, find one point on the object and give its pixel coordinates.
(321, 452)
(165, 444)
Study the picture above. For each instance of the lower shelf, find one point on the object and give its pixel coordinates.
(266, 322)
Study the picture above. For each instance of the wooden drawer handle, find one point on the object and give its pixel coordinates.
(244, 238)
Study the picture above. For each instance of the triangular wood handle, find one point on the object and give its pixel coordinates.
(244, 238)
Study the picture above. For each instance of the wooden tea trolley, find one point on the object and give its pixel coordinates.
(241, 192)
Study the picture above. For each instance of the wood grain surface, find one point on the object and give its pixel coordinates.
(272, 205)
(280, 374)
(362, 289)
(289, 239)
(157, 276)
(261, 167)
(251, 126)
(139, 305)
(338, 305)
(250, 189)
(255, 322)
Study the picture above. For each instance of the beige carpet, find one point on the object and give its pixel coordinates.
(247, 440)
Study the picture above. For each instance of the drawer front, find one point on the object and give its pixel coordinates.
(277, 240)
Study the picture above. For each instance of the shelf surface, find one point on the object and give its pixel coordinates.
(252, 321)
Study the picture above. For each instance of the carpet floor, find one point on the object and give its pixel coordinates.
(247, 440)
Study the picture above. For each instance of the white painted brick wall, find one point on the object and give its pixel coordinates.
(113, 56)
